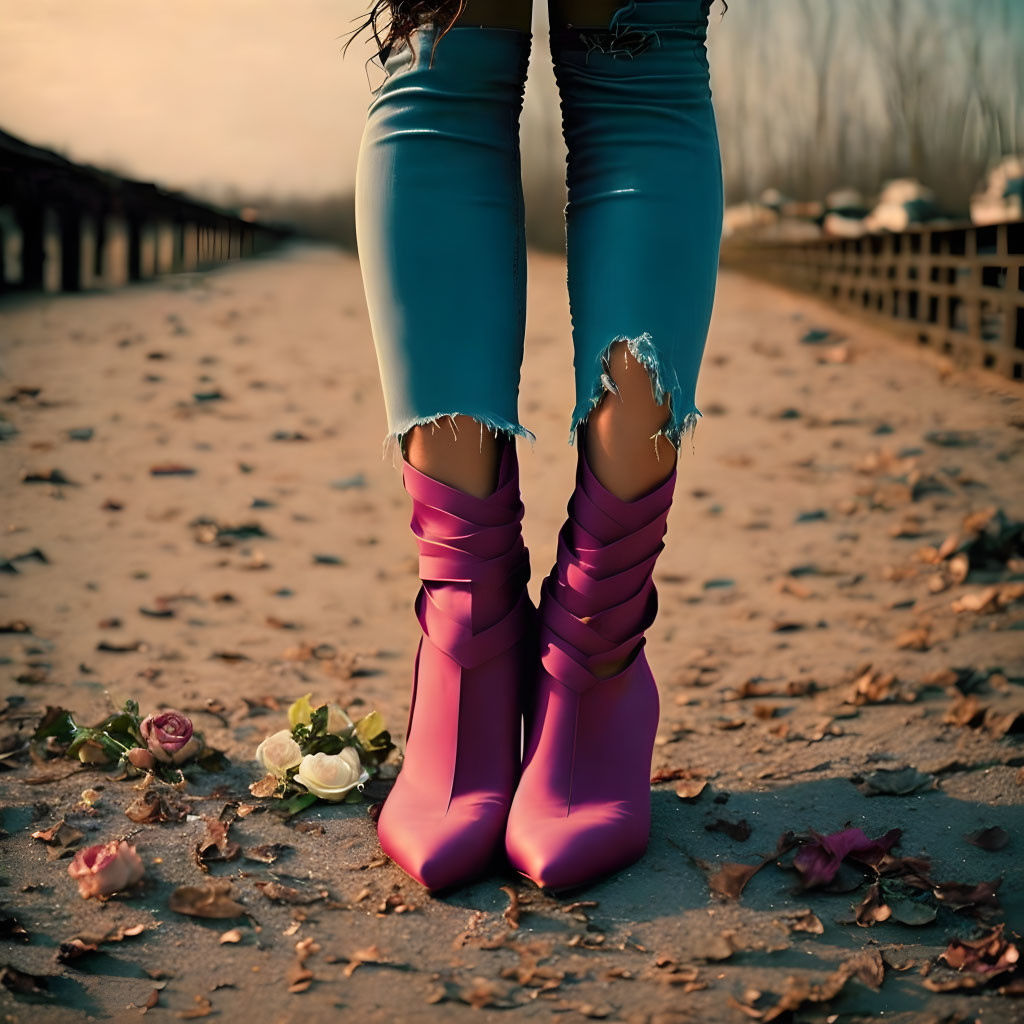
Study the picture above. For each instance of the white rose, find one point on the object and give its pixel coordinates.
(337, 719)
(278, 753)
(331, 776)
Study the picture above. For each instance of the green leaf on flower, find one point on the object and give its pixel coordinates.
(295, 804)
(373, 737)
(112, 735)
(122, 723)
(318, 722)
(84, 735)
(326, 744)
(57, 722)
(120, 731)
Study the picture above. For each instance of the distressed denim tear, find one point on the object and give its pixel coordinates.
(665, 385)
(618, 39)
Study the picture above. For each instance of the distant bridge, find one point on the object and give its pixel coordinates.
(70, 227)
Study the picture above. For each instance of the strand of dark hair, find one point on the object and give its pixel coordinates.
(405, 15)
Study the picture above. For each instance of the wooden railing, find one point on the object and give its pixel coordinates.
(958, 289)
(68, 227)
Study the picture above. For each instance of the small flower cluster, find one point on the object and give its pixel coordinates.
(324, 754)
(161, 741)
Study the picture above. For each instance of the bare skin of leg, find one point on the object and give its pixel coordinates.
(619, 443)
(620, 448)
(457, 453)
(619, 432)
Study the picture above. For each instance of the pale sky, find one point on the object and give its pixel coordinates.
(199, 94)
(191, 92)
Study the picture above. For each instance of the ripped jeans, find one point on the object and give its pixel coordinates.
(440, 213)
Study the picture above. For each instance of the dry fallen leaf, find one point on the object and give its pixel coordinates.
(79, 946)
(975, 961)
(152, 806)
(370, 955)
(914, 639)
(278, 893)
(268, 853)
(872, 910)
(873, 686)
(893, 782)
(300, 977)
(999, 723)
(212, 900)
(512, 911)
(730, 879)
(913, 912)
(806, 921)
(690, 789)
(965, 711)
(265, 787)
(867, 966)
(215, 844)
(203, 1008)
(60, 839)
(989, 839)
(982, 898)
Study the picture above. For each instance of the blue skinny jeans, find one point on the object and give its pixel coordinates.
(440, 213)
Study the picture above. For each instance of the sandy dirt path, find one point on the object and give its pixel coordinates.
(800, 560)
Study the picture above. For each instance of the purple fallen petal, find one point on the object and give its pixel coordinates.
(819, 861)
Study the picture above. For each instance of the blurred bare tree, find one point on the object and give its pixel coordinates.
(813, 94)
(810, 95)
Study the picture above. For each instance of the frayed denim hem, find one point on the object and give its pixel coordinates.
(643, 350)
(396, 439)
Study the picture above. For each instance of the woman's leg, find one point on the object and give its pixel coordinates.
(643, 228)
(459, 452)
(439, 220)
(623, 432)
(644, 215)
(439, 223)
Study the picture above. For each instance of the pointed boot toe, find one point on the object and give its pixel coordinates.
(444, 819)
(443, 850)
(582, 809)
(563, 852)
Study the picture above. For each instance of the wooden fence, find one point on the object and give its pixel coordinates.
(68, 227)
(958, 289)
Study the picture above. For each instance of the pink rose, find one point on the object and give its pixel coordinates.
(193, 748)
(165, 734)
(105, 869)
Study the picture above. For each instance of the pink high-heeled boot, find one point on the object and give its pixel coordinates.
(445, 817)
(582, 808)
